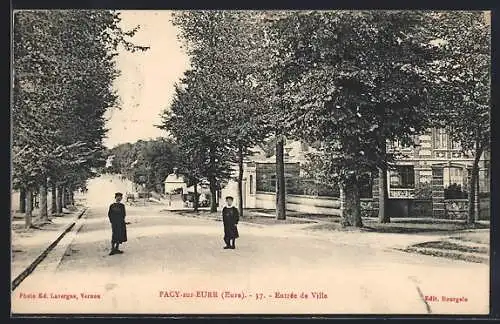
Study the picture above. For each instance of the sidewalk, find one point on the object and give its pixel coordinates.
(28, 244)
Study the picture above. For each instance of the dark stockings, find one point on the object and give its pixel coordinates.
(229, 243)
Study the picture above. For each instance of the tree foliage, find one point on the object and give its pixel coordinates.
(150, 160)
(460, 79)
(351, 80)
(63, 83)
(216, 115)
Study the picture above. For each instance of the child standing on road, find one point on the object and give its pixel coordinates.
(230, 218)
(116, 215)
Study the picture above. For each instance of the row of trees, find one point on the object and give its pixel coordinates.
(351, 80)
(215, 116)
(63, 83)
(144, 162)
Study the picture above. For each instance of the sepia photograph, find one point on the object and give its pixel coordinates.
(290, 162)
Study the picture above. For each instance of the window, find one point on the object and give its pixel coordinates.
(266, 183)
(266, 177)
(453, 175)
(251, 185)
(455, 145)
(398, 145)
(440, 139)
(402, 177)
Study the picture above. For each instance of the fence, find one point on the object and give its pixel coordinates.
(311, 204)
(455, 209)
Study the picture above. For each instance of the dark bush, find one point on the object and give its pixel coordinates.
(454, 191)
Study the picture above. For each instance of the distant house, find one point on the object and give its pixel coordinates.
(174, 182)
(109, 161)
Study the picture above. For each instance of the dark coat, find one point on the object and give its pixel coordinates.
(116, 215)
(230, 218)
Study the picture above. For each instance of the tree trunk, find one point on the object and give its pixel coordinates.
(22, 200)
(44, 215)
(65, 197)
(213, 194)
(68, 196)
(59, 201)
(383, 196)
(72, 197)
(195, 199)
(352, 204)
(240, 181)
(32, 201)
(471, 198)
(29, 208)
(477, 207)
(280, 180)
(212, 182)
(53, 198)
(473, 194)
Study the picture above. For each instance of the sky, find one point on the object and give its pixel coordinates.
(146, 84)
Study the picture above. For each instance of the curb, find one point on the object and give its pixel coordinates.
(242, 220)
(217, 219)
(451, 255)
(17, 281)
(56, 256)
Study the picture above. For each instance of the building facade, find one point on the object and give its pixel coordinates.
(410, 180)
(435, 148)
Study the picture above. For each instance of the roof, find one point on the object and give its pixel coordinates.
(174, 178)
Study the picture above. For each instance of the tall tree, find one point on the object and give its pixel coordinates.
(186, 127)
(359, 87)
(35, 94)
(63, 74)
(460, 83)
(278, 68)
(246, 115)
(206, 38)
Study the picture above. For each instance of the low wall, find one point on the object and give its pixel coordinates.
(305, 204)
(331, 206)
(265, 201)
(314, 205)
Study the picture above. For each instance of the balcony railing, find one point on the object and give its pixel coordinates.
(402, 193)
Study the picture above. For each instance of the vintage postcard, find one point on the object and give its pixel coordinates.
(250, 162)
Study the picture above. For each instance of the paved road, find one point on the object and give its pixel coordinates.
(169, 254)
